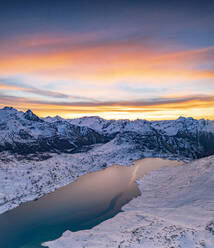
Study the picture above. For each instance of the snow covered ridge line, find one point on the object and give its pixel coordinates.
(26, 133)
(175, 210)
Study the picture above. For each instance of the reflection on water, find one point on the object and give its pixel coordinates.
(83, 204)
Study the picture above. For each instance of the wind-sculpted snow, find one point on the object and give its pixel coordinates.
(175, 210)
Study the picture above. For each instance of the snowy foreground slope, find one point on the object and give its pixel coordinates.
(175, 210)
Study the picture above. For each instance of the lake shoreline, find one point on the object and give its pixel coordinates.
(83, 204)
(175, 209)
(38, 179)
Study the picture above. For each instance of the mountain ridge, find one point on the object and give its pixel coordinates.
(26, 133)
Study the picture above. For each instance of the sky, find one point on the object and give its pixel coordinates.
(115, 59)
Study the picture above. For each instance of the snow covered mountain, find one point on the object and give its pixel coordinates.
(26, 133)
(184, 138)
(112, 127)
(168, 127)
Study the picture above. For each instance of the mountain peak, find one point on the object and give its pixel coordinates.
(182, 118)
(8, 108)
(29, 115)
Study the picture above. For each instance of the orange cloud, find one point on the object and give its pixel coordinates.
(113, 62)
(165, 108)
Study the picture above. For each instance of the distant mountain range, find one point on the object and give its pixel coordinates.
(26, 133)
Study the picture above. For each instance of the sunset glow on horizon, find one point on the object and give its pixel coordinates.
(121, 60)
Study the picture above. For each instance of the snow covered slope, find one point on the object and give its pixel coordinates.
(175, 210)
